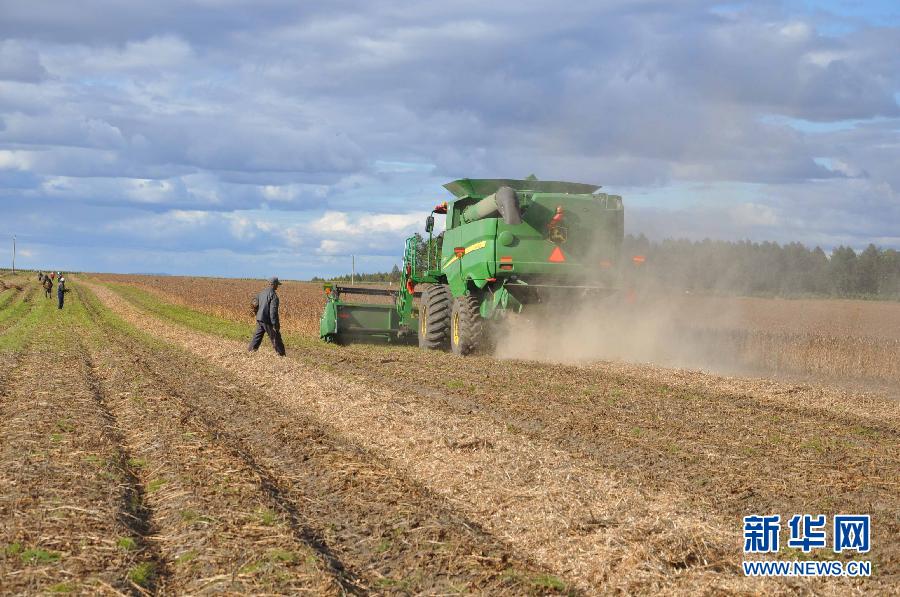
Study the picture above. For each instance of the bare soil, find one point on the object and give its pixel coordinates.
(611, 476)
(70, 520)
(367, 527)
(139, 456)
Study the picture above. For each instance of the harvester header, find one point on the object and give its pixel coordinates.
(507, 244)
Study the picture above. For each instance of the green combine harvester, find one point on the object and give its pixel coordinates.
(508, 244)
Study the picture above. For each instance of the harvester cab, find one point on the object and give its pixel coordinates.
(507, 244)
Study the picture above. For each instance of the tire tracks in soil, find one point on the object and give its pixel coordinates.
(15, 310)
(60, 473)
(269, 485)
(555, 424)
(134, 513)
(530, 493)
(184, 418)
(730, 453)
(664, 436)
(9, 359)
(211, 535)
(362, 557)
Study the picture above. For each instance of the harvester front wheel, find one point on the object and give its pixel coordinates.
(466, 325)
(434, 317)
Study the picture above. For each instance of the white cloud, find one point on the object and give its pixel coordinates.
(333, 247)
(333, 222)
(326, 128)
(293, 192)
(13, 159)
(149, 191)
(754, 214)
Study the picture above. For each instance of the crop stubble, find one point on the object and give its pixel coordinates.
(836, 340)
(611, 476)
(65, 502)
(372, 529)
(301, 301)
(520, 472)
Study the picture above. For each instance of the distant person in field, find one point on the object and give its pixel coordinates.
(48, 286)
(61, 291)
(267, 321)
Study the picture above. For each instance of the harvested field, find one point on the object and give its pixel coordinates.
(835, 340)
(230, 298)
(386, 469)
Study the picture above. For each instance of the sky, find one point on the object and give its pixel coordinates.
(276, 137)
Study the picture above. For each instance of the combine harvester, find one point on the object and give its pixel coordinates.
(508, 244)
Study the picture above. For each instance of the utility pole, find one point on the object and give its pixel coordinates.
(14, 254)
(352, 269)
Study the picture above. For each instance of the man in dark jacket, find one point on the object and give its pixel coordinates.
(61, 291)
(267, 321)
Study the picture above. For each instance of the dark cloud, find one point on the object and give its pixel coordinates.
(20, 63)
(211, 126)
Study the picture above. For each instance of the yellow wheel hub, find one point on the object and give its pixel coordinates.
(455, 326)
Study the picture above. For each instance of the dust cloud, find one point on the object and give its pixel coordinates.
(650, 329)
(643, 322)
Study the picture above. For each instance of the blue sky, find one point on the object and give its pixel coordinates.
(224, 137)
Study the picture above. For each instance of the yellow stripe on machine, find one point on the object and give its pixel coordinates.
(479, 245)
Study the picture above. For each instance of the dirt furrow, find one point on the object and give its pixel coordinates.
(667, 441)
(17, 305)
(9, 356)
(552, 504)
(374, 527)
(212, 529)
(669, 436)
(134, 513)
(7, 295)
(726, 453)
(64, 528)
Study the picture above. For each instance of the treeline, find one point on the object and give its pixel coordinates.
(766, 268)
(382, 277)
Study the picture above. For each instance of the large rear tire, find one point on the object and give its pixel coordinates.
(466, 325)
(434, 317)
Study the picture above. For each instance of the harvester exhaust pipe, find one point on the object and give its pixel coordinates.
(504, 201)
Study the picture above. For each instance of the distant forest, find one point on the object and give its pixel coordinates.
(749, 268)
(767, 268)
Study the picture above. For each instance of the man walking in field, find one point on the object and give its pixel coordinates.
(267, 321)
(61, 291)
(48, 286)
